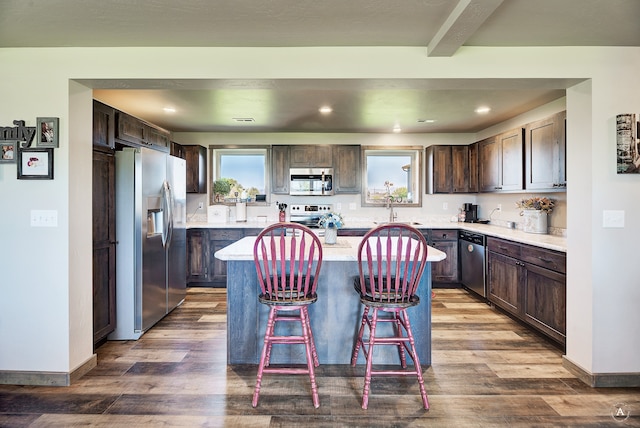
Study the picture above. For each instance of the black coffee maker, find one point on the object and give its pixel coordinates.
(470, 213)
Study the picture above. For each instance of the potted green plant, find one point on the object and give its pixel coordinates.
(221, 188)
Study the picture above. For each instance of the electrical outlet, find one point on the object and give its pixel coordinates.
(445, 206)
(200, 205)
(499, 207)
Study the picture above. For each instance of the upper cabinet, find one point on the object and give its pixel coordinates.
(346, 169)
(104, 119)
(545, 153)
(196, 157)
(310, 156)
(451, 169)
(500, 162)
(137, 132)
(280, 170)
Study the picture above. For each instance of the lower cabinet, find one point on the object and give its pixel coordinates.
(445, 271)
(204, 269)
(530, 283)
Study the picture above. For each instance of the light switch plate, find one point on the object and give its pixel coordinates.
(613, 218)
(44, 218)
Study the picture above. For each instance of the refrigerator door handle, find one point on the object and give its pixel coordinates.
(168, 214)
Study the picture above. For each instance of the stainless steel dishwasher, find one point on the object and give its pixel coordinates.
(471, 248)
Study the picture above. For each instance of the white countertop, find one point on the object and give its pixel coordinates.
(552, 242)
(345, 250)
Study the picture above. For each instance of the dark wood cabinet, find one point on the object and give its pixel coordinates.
(104, 128)
(204, 269)
(530, 283)
(346, 169)
(501, 162)
(445, 271)
(448, 169)
(196, 157)
(309, 156)
(280, 170)
(133, 131)
(197, 255)
(104, 245)
(177, 150)
(545, 153)
(473, 168)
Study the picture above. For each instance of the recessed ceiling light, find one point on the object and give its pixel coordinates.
(325, 109)
(397, 129)
(483, 110)
(426, 120)
(169, 110)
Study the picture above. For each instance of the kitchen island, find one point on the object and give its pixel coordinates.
(335, 317)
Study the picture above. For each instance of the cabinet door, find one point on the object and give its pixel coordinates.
(545, 149)
(473, 168)
(196, 159)
(438, 169)
(156, 137)
(490, 168)
(504, 282)
(104, 245)
(197, 255)
(346, 167)
(323, 156)
(511, 160)
(446, 271)
(546, 301)
(280, 170)
(460, 167)
(218, 239)
(177, 150)
(104, 129)
(129, 129)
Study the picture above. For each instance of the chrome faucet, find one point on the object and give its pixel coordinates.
(393, 216)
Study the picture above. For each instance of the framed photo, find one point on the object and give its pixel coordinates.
(47, 132)
(35, 164)
(8, 151)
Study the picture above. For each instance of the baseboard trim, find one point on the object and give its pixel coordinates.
(602, 380)
(13, 377)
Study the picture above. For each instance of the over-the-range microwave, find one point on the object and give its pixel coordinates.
(311, 181)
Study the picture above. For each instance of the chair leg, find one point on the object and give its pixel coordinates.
(398, 326)
(369, 355)
(416, 361)
(356, 346)
(314, 353)
(264, 358)
(311, 359)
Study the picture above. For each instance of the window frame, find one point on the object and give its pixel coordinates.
(415, 152)
(217, 150)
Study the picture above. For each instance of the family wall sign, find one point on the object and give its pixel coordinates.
(16, 146)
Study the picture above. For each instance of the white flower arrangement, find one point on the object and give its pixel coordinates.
(330, 220)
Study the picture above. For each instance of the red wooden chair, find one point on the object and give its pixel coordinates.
(391, 260)
(288, 258)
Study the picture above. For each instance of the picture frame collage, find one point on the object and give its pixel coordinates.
(34, 159)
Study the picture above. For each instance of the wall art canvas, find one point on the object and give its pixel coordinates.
(628, 143)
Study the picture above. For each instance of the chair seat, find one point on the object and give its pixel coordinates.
(390, 297)
(287, 299)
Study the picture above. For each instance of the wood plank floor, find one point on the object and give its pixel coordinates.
(488, 371)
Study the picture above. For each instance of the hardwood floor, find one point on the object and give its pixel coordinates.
(488, 371)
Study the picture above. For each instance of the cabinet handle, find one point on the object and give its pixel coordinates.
(502, 248)
(542, 259)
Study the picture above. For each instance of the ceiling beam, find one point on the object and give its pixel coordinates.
(463, 21)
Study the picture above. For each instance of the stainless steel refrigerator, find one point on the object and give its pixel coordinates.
(151, 239)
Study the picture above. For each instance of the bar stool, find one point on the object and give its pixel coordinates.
(391, 260)
(288, 257)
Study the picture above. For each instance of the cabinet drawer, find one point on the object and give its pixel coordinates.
(226, 234)
(501, 246)
(546, 258)
(444, 235)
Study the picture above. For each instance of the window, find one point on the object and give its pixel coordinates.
(244, 169)
(392, 172)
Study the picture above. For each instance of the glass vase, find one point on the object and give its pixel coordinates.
(330, 235)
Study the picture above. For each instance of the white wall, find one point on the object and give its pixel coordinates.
(45, 310)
